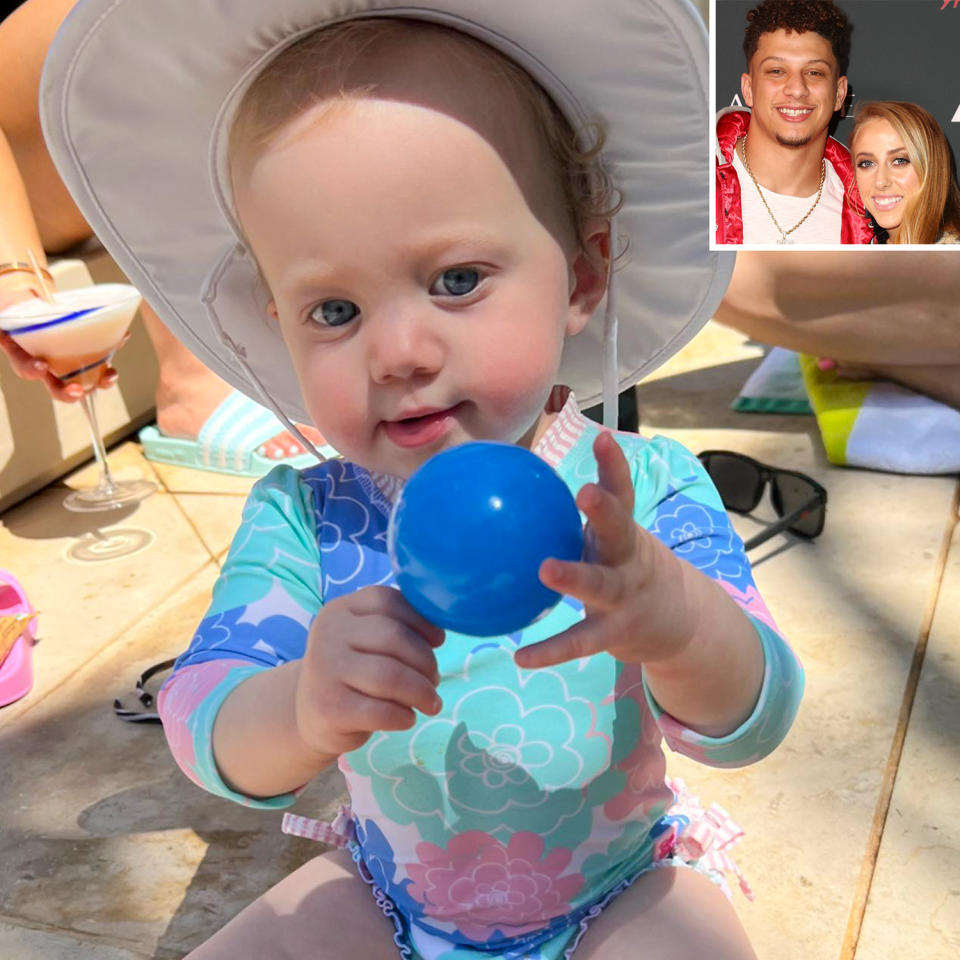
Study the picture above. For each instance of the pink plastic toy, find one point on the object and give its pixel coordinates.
(16, 669)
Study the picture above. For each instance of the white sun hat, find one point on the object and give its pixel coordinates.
(137, 98)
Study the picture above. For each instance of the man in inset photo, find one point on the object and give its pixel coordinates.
(781, 178)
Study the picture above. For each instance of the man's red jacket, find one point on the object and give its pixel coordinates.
(733, 124)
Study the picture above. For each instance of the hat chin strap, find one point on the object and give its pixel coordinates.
(267, 400)
(611, 372)
(208, 298)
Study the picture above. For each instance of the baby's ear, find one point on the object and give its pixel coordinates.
(589, 270)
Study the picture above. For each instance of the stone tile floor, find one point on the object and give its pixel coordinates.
(853, 834)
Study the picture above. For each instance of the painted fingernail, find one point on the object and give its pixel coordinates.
(74, 390)
(39, 365)
(825, 363)
(293, 450)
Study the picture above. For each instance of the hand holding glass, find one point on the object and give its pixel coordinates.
(77, 335)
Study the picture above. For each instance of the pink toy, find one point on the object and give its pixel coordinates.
(16, 669)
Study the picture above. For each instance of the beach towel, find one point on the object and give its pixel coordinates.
(872, 424)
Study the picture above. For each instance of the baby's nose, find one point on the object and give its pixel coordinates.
(405, 345)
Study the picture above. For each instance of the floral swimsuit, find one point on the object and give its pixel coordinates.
(499, 827)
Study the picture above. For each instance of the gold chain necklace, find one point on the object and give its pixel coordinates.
(784, 234)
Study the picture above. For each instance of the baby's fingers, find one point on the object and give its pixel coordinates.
(613, 471)
(599, 587)
(611, 533)
(583, 639)
(390, 680)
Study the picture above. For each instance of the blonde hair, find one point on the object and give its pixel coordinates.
(318, 68)
(935, 208)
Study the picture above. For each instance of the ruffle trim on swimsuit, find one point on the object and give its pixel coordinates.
(335, 833)
(707, 837)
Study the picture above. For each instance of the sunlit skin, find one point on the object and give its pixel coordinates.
(793, 88)
(431, 314)
(886, 178)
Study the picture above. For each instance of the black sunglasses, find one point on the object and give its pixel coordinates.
(800, 502)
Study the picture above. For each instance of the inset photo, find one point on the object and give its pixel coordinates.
(837, 123)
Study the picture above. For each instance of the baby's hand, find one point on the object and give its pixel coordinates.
(369, 664)
(631, 584)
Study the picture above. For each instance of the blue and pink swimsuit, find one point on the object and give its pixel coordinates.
(498, 828)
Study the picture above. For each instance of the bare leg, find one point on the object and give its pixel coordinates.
(676, 914)
(893, 314)
(34, 203)
(937, 381)
(322, 911)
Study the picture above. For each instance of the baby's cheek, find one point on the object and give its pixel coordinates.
(517, 389)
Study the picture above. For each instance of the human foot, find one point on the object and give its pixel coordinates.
(183, 409)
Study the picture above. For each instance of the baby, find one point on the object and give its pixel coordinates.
(433, 236)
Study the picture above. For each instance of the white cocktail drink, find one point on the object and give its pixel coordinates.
(77, 335)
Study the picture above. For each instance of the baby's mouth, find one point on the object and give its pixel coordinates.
(422, 427)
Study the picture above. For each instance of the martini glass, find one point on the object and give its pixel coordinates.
(77, 334)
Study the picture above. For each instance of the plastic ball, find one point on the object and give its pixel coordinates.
(468, 534)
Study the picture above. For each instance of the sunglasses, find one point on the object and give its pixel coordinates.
(800, 502)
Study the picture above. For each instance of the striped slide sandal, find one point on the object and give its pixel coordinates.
(229, 441)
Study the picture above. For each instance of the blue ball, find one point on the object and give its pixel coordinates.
(469, 532)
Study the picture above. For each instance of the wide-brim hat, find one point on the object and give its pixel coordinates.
(136, 103)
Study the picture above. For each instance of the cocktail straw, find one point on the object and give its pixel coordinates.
(45, 290)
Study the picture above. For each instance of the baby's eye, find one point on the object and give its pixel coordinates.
(334, 313)
(456, 282)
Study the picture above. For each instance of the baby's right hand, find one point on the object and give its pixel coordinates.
(369, 664)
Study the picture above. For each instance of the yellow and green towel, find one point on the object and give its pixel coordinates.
(863, 423)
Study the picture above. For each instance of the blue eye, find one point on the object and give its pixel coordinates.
(456, 282)
(900, 161)
(334, 313)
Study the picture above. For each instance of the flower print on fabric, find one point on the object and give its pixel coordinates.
(240, 632)
(276, 540)
(351, 528)
(379, 861)
(750, 602)
(644, 768)
(179, 699)
(487, 889)
(513, 750)
(632, 845)
(704, 538)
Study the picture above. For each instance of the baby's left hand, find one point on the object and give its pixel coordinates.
(636, 592)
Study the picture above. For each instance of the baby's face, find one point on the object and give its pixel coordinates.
(422, 301)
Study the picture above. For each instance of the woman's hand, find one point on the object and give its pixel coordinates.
(17, 288)
(369, 665)
(633, 587)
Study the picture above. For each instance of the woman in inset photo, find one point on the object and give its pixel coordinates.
(905, 174)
